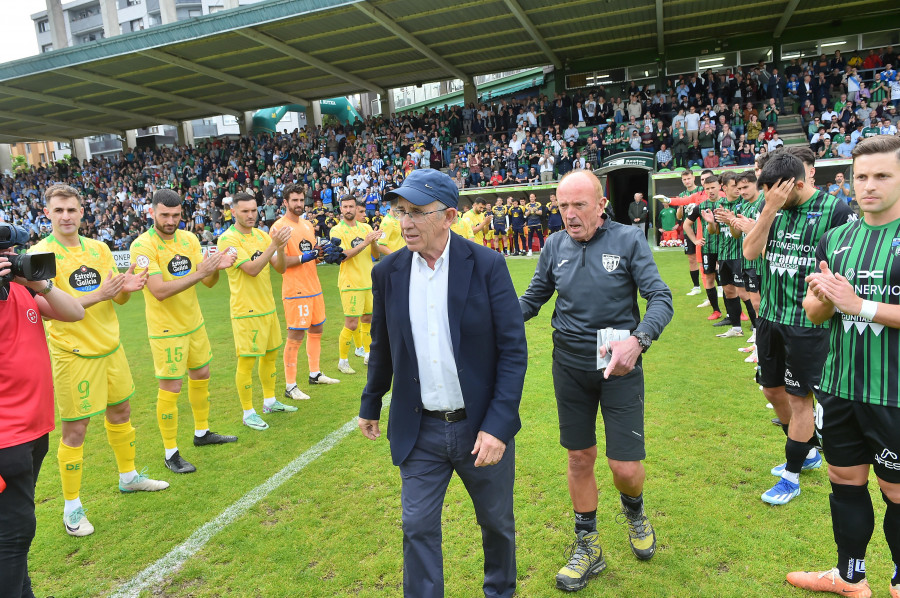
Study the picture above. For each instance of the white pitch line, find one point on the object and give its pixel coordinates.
(157, 573)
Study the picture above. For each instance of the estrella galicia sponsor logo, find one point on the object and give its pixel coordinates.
(179, 265)
(255, 255)
(85, 279)
(305, 245)
(887, 458)
(355, 242)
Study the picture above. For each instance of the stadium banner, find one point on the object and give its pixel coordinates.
(123, 258)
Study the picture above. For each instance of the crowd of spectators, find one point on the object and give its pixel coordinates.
(707, 119)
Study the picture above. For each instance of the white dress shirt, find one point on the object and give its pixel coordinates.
(428, 316)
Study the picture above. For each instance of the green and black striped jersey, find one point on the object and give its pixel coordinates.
(790, 256)
(863, 357)
(730, 248)
(751, 209)
(712, 241)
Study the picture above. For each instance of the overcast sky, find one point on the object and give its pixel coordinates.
(17, 38)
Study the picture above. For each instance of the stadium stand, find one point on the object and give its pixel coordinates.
(709, 119)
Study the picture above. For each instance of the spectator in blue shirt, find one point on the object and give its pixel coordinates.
(840, 189)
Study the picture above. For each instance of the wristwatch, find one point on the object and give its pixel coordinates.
(643, 340)
(47, 289)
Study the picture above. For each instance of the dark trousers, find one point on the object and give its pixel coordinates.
(19, 467)
(441, 449)
(535, 231)
(518, 239)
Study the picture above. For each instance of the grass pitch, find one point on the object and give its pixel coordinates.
(334, 528)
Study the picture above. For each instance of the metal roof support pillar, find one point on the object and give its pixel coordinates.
(186, 133)
(470, 94)
(131, 138)
(57, 24)
(776, 55)
(109, 10)
(167, 11)
(5, 158)
(316, 115)
(246, 124)
(387, 103)
(80, 149)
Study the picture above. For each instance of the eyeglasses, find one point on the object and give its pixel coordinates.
(415, 216)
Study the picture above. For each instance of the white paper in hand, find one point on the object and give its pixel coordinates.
(604, 337)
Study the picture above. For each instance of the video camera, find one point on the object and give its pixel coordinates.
(35, 266)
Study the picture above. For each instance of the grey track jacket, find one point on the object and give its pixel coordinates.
(597, 284)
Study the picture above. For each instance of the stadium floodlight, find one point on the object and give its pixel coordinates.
(830, 44)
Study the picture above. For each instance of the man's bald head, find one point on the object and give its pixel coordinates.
(581, 204)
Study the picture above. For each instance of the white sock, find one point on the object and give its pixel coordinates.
(170, 452)
(249, 412)
(268, 402)
(812, 453)
(314, 375)
(791, 477)
(290, 387)
(343, 362)
(737, 328)
(201, 433)
(71, 505)
(128, 476)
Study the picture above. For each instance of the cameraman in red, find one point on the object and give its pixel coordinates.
(26, 395)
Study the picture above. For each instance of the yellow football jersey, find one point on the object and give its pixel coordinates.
(81, 270)
(392, 237)
(462, 228)
(179, 314)
(356, 272)
(251, 296)
(474, 219)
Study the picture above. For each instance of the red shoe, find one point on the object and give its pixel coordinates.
(715, 315)
(745, 317)
(828, 581)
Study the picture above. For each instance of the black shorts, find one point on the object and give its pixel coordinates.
(730, 272)
(856, 433)
(621, 403)
(790, 356)
(751, 280)
(709, 263)
(689, 247)
(499, 230)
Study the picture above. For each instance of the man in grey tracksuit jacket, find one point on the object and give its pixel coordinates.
(597, 267)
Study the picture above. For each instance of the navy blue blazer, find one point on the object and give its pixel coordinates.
(488, 335)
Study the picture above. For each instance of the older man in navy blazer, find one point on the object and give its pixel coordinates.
(446, 330)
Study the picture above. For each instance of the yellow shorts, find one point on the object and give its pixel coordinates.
(173, 355)
(356, 303)
(488, 234)
(254, 337)
(86, 386)
(303, 313)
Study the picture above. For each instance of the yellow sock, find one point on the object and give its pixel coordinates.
(267, 373)
(167, 417)
(198, 395)
(121, 439)
(357, 336)
(291, 348)
(243, 379)
(344, 342)
(366, 335)
(70, 460)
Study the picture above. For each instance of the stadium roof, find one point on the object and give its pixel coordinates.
(293, 51)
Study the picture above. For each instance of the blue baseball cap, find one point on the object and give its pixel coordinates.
(426, 185)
